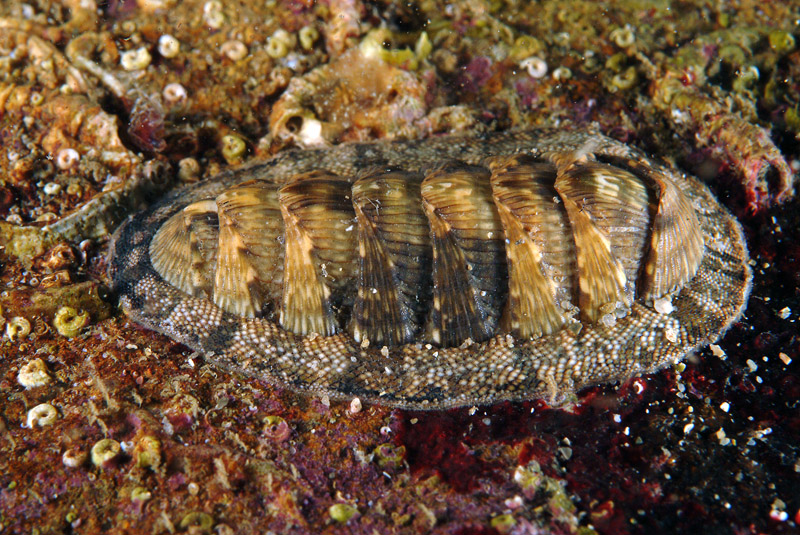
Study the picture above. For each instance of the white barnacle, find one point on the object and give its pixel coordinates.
(17, 328)
(33, 374)
(174, 93)
(234, 50)
(212, 14)
(134, 60)
(52, 188)
(67, 158)
(562, 73)
(536, 66)
(168, 46)
(41, 415)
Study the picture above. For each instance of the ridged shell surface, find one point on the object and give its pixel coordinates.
(437, 273)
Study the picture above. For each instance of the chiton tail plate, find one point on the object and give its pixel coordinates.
(438, 273)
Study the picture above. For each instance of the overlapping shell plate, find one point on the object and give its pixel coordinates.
(444, 272)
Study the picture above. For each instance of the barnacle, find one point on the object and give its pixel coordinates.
(307, 36)
(372, 46)
(41, 415)
(276, 428)
(536, 66)
(624, 80)
(356, 94)
(525, 46)
(276, 48)
(234, 50)
(34, 374)
(388, 455)
(197, 522)
(168, 46)
(279, 44)
(17, 328)
(623, 37)
(562, 73)
(104, 451)
(134, 60)
(147, 452)
(212, 14)
(233, 148)
(73, 457)
(67, 158)
(174, 93)
(51, 188)
(188, 169)
(68, 322)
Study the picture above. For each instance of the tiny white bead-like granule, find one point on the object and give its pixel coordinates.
(786, 359)
(41, 415)
(663, 305)
(671, 334)
(784, 313)
(609, 320)
(536, 66)
(67, 158)
(234, 50)
(688, 428)
(134, 60)
(355, 406)
(33, 374)
(725, 406)
(638, 386)
(174, 93)
(168, 46)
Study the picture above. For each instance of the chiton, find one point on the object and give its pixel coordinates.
(443, 272)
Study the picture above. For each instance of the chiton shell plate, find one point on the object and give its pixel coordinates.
(452, 271)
